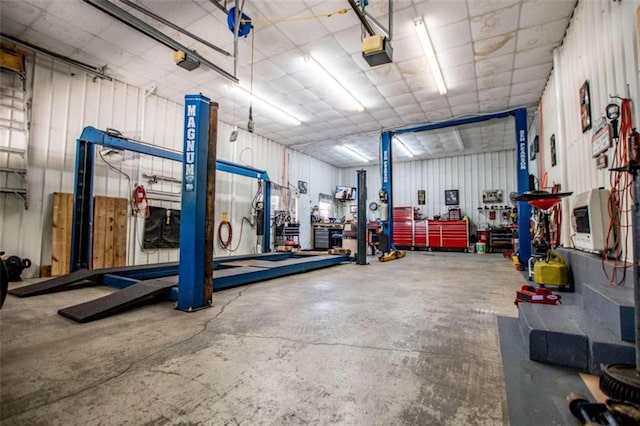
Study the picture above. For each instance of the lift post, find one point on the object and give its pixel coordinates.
(522, 160)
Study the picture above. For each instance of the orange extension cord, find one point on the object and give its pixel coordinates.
(620, 201)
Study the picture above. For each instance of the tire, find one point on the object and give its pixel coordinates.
(621, 381)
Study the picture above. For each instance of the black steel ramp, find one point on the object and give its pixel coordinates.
(117, 301)
(55, 284)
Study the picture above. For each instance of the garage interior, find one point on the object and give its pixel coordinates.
(299, 212)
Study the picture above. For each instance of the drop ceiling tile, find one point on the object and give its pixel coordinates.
(466, 98)
(267, 70)
(349, 39)
(387, 73)
(406, 48)
(392, 89)
(542, 35)
(42, 40)
(303, 96)
(523, 100)
(542, 11)
(439, 103)
(495, 46)
(274, 10)
(424, 85)
(325, 48)
(303, 31)
(461, 87)
(112, 56)
(212, 31)
(496, 80)
(410, 109)
(11, 27)
(531, 57)
(290, 62)
(472, 108)
(161, 56)
(404, 22)
(360, 61)
(439, 115)
(180, 13)
(270, 41)
(529, 87)
(456, 56)
(537, 72)
(495, 93)
(460, 73)
(495, 23)
(415, 119)
(361, 118)
(413, 67)
(20, 12)
(133, 41)
(381, 114)
(336, 22)
(65, 32)
(342, 67)
(489, 67)
(401, 100)
(482, 7)
(438, 13)
(80, 15)
(450, 36)
(285, 84)
(391, 122)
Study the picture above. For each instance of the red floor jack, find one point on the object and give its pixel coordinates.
(530, 294)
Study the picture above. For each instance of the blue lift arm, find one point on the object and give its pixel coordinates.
(83, 192)
(522, 160)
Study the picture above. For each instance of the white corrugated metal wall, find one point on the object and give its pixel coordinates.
(469, 174)
(65, 100)
(600, 47)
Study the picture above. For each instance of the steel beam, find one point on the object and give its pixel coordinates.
(386, 164)
(522, 161)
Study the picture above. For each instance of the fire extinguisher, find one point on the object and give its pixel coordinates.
(141, 202)
(633, 147)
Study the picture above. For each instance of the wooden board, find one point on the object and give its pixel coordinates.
(109, 248)
(61, 233)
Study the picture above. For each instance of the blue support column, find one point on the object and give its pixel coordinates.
(266, 222)
(82, 207)
(386, 164)
(194, 197)
(522, 161)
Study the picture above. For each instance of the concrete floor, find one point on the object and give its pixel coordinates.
(413, 341)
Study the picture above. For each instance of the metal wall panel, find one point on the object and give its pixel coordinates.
(599, 47)
(469, 174)
(65, 100)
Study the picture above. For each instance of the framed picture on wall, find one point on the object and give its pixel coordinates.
(451, 197)
(422, 196)
(552, 145)
(585, 107)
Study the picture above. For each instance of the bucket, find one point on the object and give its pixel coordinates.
(472, 248)
(480, 248)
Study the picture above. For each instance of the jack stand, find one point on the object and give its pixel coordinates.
(392, 255)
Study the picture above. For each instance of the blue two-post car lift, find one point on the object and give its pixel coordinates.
(182, 282)
(522, 161)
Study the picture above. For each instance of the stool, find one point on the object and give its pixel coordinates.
(335, 239)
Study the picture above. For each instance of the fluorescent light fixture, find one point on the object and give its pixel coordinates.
(268, 107)
(354, 153)
(325, 75)
(423, 35)
(403, 147)
(458, 138)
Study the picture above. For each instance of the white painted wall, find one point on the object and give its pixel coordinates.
(65, 100)
(469, 174)
(601, 46)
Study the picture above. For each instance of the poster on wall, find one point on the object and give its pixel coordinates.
(552, 145)
(585, 107)
(451, 197)
(422, 196)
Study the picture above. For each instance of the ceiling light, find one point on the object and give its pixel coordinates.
(354, 153)
(325, 75)
(269, 107)
(403, 147)
(423, 35)
(458, 138)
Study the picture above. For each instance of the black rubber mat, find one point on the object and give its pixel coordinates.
(117, 301)
(55, 284)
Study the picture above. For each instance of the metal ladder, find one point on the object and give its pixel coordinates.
(14, 128)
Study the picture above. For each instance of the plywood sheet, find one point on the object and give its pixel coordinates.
(61, 233)
(109, 247)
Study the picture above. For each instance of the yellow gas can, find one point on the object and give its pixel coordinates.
(551, 271)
